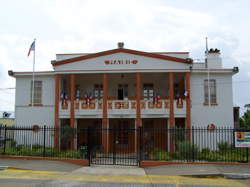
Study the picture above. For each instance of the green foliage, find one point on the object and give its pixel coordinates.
(160, 154)
(205, 151)
(37, 146)
(187, 150)
(71, 154)
(179, 134)
(38, 151)
(245, 119)
(224, 146)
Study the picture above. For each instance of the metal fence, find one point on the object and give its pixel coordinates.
(124, 146)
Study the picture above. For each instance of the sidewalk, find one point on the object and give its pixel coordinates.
(44, 165)
(170, 170)
(201, 170)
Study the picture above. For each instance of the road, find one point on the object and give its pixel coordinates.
(21, 178)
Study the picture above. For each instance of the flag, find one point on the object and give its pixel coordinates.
(185, 93)
(32, 48)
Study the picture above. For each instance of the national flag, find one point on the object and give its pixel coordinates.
(32, 48)
(185, 93)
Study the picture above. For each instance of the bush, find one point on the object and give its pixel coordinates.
(224, 146)
(159, 154)
(205, 151)
(71, 154)
(187, 150)
(37, 146)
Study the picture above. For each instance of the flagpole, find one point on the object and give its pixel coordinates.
(33, 75)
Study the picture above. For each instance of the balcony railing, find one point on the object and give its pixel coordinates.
(91, 107)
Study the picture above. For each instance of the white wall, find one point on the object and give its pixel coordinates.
(143, 63)
(27, 115)
(221, 114)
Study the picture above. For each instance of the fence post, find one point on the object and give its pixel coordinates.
(140, 145)
(44, 139)
(192, 142)
(88, 146)
(5, 134)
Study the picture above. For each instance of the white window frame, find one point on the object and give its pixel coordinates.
(37, 92)
(212, 91)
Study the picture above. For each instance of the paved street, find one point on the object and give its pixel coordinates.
(59, 174)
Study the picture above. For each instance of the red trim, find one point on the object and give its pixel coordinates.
(36, 104)
(72, 100)
(81, 162)
(171, 52)
(138, 100)
(188, 102)
(121, 50)
(57, 99)
(62, 71)
(148, 52)
(171, 106)
(214, 104)
(73, 53)
(72, 104)
(171, 98)
(105, 112)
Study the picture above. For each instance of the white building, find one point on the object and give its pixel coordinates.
(125, 88)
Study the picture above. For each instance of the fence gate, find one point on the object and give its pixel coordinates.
(116, 146)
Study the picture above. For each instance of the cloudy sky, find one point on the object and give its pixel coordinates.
(70, 26)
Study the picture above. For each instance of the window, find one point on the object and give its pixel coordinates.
(98, 91)
(37, 92)
(148, 91)
(122, 91)
(212, 90)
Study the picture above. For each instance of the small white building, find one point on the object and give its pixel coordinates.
(125, 88)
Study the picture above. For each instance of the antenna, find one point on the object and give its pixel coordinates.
(206, 46)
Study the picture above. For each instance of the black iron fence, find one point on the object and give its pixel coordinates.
(196, 145)
(126, 146)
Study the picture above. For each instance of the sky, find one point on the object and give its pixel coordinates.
(73, 26)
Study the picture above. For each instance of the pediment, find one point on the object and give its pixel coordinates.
(118, 59)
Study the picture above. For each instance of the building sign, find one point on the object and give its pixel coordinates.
(120, 62)
(242, 139)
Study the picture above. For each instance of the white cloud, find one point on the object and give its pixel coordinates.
(64, 26)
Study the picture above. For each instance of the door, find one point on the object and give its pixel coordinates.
(122, 91)
(121, 145)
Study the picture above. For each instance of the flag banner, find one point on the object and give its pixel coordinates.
(32, 48)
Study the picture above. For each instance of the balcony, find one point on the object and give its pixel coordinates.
(121, 107)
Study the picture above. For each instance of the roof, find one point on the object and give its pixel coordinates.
(122, 50)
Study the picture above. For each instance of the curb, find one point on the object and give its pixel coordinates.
(3, 167)
(225, 175)
(236, 176)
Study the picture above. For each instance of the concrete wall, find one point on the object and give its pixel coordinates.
(221, 114)
(39, 115)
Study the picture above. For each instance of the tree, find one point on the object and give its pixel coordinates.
(245, 119)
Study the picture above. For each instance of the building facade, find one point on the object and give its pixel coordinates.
(123, 88)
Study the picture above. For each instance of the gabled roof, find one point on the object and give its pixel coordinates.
(122, 50)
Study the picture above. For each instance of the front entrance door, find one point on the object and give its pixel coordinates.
(121, 145)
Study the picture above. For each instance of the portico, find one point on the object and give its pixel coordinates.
(136, 96)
